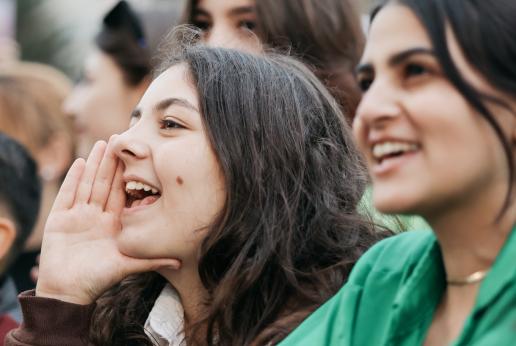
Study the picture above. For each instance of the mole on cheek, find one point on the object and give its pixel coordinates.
(179, 180)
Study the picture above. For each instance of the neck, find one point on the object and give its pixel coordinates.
(192, 293)
(469, 234)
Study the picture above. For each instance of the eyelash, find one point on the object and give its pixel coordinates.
(364, 83)
(206, 25)
(414, 70)
(202, 25)
(247, 24)
(169, 124)
(410, 70)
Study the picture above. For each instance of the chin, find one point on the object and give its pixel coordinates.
(395, 203)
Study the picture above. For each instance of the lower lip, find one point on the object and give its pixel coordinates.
(136, 209)
(390, 165)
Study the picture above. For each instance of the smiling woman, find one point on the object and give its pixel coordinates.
(437, 125)
(235, 196)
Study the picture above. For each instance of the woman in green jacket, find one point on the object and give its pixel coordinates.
(438, 129)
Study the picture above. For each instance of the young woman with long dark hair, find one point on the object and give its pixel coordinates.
(437, 124)
(236, 194)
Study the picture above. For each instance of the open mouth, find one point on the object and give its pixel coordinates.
(140, 194)
(389, 150)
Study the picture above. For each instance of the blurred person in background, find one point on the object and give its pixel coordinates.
(437, 124)
(31, 98)
(20, 193)
(116, 73)
(325, 34)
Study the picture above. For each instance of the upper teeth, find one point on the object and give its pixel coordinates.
(136, 185)
(387, 148)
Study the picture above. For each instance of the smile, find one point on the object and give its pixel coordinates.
(139, 194)
(390, 155)
(392, 149)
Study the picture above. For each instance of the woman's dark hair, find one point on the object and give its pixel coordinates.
(325, 34)
(486, 34)
(289, 232)
(122, 38)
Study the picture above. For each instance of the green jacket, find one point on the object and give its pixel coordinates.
(392, 294)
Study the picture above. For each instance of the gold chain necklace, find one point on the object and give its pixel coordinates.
(468, 280)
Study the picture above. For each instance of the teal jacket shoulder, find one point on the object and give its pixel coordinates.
(393, 254)
(374, 281)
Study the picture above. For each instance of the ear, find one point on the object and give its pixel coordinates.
(7, 236)
(55, 158)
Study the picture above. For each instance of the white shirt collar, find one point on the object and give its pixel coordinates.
(165, 323)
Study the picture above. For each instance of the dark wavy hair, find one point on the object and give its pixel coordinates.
(325, 34)
(486, 34)
(289, 232)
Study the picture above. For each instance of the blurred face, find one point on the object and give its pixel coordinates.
(227, 23)
(426, 147)
(173, 181)
(101, 103)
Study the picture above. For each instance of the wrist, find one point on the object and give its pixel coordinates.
(64, 297)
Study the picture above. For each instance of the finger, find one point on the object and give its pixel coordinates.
(116, 199)
(105, 174)
(92, 164)
(66, 195)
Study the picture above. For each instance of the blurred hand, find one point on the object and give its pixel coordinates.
(79, 257)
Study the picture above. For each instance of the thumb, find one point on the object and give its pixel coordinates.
(135, 265)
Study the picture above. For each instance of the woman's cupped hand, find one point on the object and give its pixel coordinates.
(79, 257)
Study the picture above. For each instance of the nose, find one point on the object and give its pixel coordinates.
(71, 103)
(130, 146)
(222, 35)
(379, 105)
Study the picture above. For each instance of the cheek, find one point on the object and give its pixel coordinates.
(358, 130)
(192, 182)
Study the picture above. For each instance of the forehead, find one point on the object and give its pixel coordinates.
(395, 28)
(172, 83)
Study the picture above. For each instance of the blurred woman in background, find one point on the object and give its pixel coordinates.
(116, 72)
(326, 35)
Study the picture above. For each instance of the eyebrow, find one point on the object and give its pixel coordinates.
(200, 12)
(233, 12)
(164, 104)
(242, 10)
(174, 101)
(396, 59)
